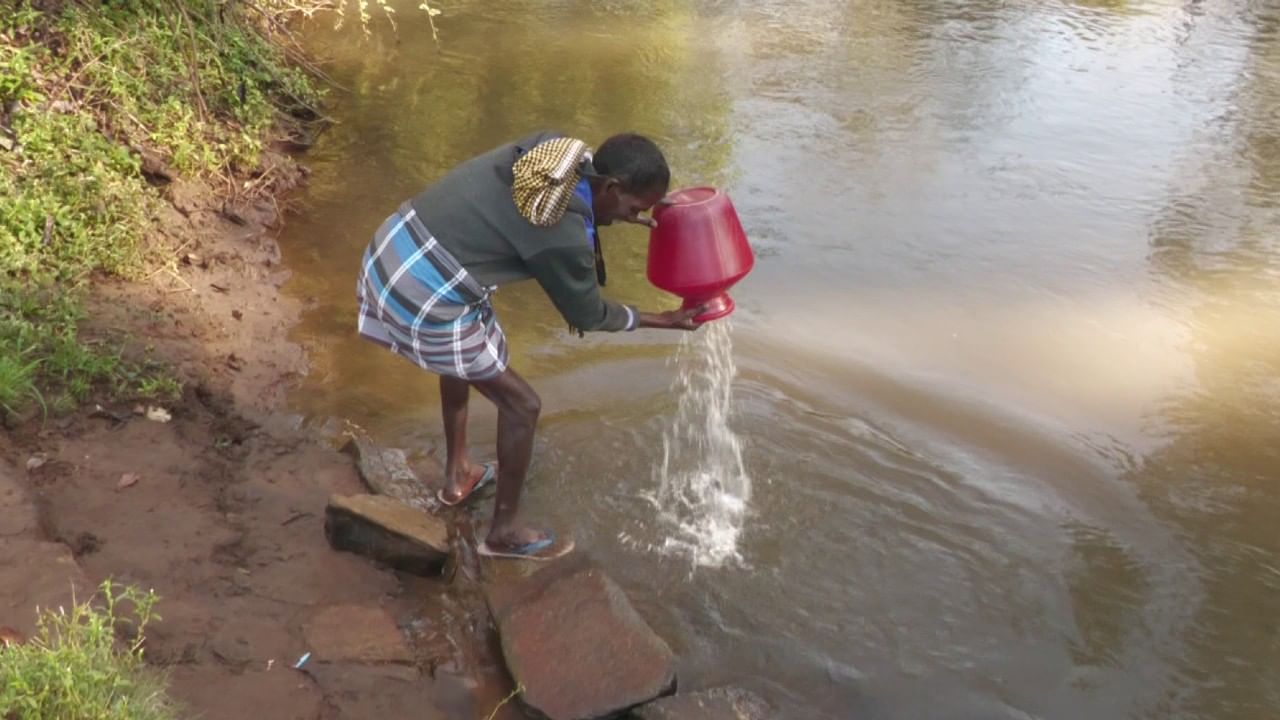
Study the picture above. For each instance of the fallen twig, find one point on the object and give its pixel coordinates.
(295, 517)
(519, 689)
(291, 50)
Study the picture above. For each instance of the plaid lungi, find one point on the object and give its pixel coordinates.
(416, 300)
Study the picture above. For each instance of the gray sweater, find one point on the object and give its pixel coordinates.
(471, 213)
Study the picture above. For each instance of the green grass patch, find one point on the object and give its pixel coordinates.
(43, 359)
(75, 667)
(84, 89)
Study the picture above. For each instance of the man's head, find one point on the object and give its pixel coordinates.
(632, 177)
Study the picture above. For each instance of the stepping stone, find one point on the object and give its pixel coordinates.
(574, 642)
(389, 531)
(386, 471)
(361, 692)
(352, 633)
(224, 693)
(725, 703)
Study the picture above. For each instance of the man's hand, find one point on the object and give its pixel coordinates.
(649, 222)
(672, 319)
(639, 219)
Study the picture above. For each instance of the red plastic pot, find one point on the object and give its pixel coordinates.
(699, 250)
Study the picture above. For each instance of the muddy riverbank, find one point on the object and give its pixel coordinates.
(217, 503)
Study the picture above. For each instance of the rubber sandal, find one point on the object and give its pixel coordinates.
(490, 474)
(537, 551)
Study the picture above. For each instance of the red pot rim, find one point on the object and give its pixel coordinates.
(696, 195)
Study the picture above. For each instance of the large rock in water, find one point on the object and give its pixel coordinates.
(575, 644)
(726, 703)
(386, 471)
(388, 531)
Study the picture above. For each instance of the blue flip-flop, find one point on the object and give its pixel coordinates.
(538, 550)
(490, 474)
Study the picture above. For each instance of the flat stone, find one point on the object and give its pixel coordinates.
(725, 703)
(181, 632)
(573, 640)
(250, 640)
(386, 471)
(333, 429)
(223, 693)
(37, 574)
(360, 692)
(388, 531)
(353, 633)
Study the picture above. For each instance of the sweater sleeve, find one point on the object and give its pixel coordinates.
(568, 276)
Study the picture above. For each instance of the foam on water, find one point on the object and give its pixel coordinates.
(703, 490)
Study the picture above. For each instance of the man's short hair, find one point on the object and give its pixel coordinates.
(635, 161)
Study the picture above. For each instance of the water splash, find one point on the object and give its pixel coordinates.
(703, 490)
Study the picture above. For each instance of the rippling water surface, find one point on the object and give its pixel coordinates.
(1008, 368)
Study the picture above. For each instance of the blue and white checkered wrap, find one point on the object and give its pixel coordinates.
(416, 300)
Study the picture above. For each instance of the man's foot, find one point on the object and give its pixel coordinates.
(525, 544)
(455, 492)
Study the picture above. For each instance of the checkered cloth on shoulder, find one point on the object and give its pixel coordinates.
(545, 178)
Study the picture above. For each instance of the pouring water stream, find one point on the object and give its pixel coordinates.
(703, 490)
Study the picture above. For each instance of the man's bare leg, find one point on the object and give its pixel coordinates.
(460, 477)
(518, 408)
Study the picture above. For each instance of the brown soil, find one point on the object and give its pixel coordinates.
(224, 517)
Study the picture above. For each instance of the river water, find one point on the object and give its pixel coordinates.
(1007, 382)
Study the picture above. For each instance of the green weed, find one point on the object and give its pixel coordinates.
(77, 202)
(201, 91)
(82, 91)
(75, 668)
(17, 380)
(160, 387)
(40, 348)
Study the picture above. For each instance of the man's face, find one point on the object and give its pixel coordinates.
(615, 203)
